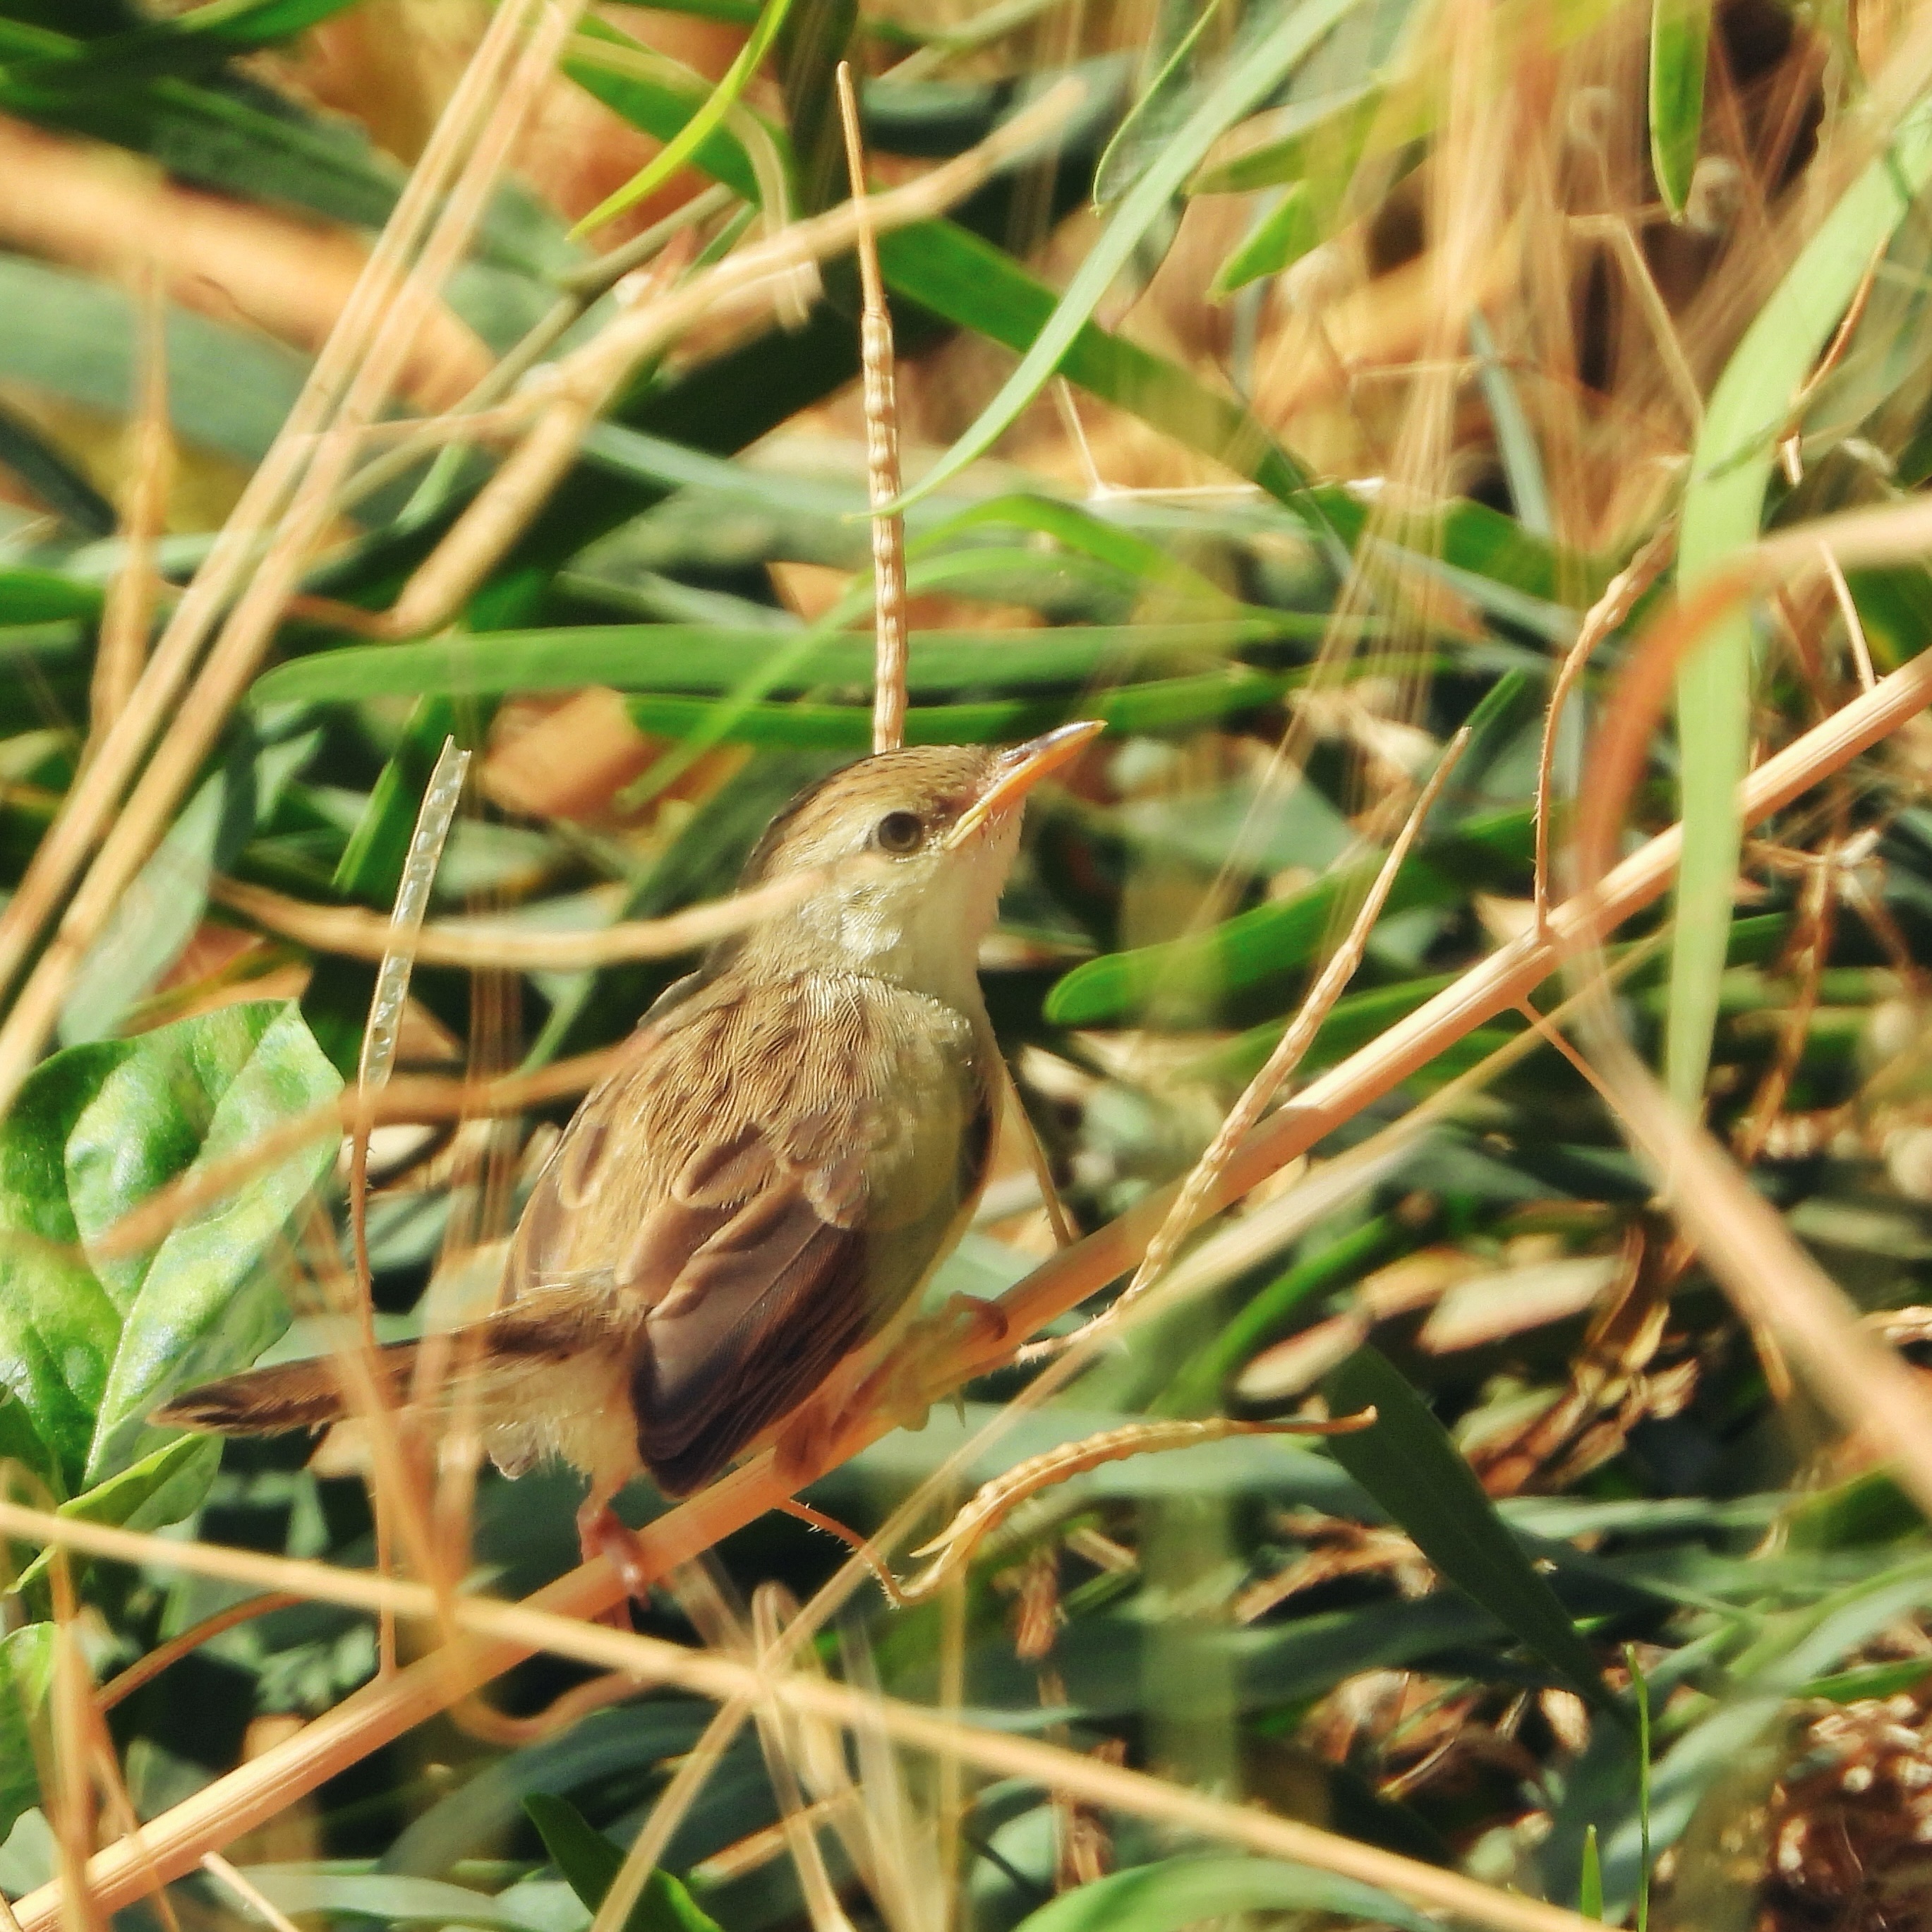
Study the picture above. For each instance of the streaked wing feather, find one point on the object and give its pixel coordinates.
(759, 1316)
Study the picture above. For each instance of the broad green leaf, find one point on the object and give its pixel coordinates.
(1243, 86)
(161, 1489)
(817, 34)
(590, 1863)
(1723, 508)
(201, 38)
(652, 94)
(1190, 976)
(90, 1349)
(1512, 573)
(702, 658)
(1126, 551)
(1306, 140)
(234, 136)
(1337, 128)
(1407, 1463)
(51, 476)
(21, 1445)
(26, 1676)
(1155, 118)
(158, 915)
(1189, 1890)
(1680, 38)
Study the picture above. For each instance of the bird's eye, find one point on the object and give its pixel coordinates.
(898, 832)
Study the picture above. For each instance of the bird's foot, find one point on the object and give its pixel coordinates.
(600, 1533)
(925, 1364)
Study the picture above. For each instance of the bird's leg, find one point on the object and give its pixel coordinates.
(600, 1533)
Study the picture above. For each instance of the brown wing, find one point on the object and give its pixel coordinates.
(761, 1191)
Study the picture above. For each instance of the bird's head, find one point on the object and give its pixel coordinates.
(913, 847)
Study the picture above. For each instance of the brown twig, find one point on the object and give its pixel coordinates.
(882, 451)
(480, 945)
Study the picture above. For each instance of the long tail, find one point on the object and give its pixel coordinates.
(293, 1395)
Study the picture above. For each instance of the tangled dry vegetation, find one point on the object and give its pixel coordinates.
(1471, 456)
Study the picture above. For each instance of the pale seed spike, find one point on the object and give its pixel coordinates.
(882, 453)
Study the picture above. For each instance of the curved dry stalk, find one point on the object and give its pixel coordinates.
(709, 1675)
(1776, 1286)
(489, 1725)
(1602, 617)
(483, 945)
(143, 1672)
(952, 1550)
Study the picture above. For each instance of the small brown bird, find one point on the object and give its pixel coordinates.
(794, 1141)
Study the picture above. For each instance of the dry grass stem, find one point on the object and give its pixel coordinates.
(139, 1675)
(1848, 611)
(132, 595)
(1619, 598)
(1191, 1204)
(483, 945)
(882, 450)
(709, 1675)
(225, 1875)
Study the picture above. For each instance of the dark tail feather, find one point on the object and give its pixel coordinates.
(294, 1395)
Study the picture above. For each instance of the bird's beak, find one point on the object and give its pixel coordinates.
(1016, 772)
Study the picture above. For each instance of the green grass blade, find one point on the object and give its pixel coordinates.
(1283, 235)
(1407, 1463)
(1590, 1891)
(709, 118)
(1723, 508)
(1680, 36)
